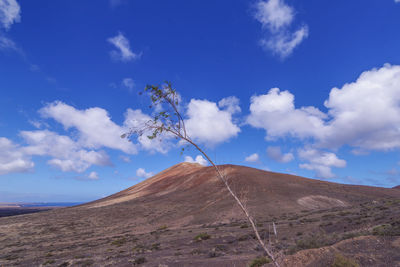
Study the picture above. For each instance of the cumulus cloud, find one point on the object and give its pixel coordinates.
(123, 52)
(12, 158)
(320, 162)
(141, 173)
(252, 158)
(65, 153)
(210, 125)
(94, 125)
(199, 159)
(9, 13)
(276, 18)
(364, 114)
(93, 176)
(275, 112)
(275, 153)
(231, 104)
(128, 83)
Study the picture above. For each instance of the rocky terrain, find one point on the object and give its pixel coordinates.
(183, 216)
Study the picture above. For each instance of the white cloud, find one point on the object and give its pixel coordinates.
(123, 52)
(364, 114)
(8, 44)
(12, 158)
(95, 129)
(208, 124)
(252, 158)
(94, 125)
(128, 83)
(231, 104)
(274, 14)
(143, 174)
(93, 176)
(9, 13)
(277, 17)
(275, 153)
(125, 158)
(199, 159)
(284, 43)
(275, 112)
(321, 162)
(67, 155)
(397, 1)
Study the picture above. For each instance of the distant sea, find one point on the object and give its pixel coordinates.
(49, 204)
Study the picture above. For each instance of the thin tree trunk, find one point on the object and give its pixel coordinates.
(243, 208)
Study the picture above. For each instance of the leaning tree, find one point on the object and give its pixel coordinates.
(167, 119)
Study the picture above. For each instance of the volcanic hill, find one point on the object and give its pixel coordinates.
(184, 216)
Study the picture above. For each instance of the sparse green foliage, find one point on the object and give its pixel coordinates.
(392, 229)
(49, 262)
(260, 261)
(118, 242)
(162, 227)
(166, 118)
(155, 246)
(202, 236)
(342, 261)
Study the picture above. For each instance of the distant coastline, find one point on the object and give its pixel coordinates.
(12, 209)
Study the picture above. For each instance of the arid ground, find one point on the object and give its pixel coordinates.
(183, 216)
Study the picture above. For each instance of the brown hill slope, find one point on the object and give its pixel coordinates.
(195, 193)
(158, 219)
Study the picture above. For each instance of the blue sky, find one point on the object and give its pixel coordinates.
(303, 87)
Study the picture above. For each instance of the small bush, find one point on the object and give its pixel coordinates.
(139, 261)
(155, 246)
(392, 229)
(341, 261)
(118, 242)
(314, 241)
(260, 261)
(202, 236)
(214, 253)
(139, 249)
(87, 262)
(197, 251)
(163, 227)
(243, 237)
(49, 262)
